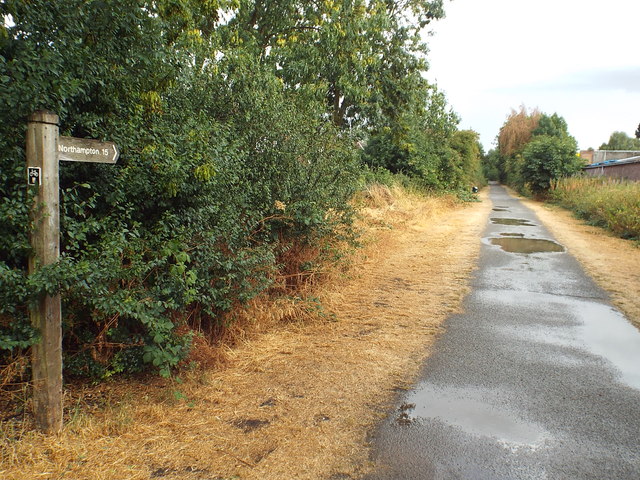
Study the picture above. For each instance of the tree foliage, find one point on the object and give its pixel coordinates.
(547, 158)
(237, 122)
(350, 54)
(621, 141)
(491, 163)
(534, 149)
(551, 126)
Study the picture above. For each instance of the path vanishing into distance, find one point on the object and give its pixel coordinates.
(539, 378)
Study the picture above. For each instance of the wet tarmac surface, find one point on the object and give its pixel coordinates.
(538, 379)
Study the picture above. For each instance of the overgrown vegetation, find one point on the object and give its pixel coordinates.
(606, 202)
(534, 149)
(244, 132)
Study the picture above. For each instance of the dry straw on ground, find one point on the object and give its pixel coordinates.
(296, 399)
(293, 399)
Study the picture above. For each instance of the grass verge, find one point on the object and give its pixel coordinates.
(297, 384)
(605, 202)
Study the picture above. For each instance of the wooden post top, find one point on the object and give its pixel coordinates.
(44, 116)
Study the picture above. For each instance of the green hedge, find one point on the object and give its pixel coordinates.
(220, 173)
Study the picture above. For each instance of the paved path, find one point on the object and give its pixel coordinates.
(538, 379)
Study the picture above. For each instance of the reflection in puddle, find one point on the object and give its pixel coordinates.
(527, 245)
(597, 328)
(512, 234)
(608, 334)
(513, 221)
(474, 411)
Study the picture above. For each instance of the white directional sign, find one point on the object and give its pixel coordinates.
(74, 149)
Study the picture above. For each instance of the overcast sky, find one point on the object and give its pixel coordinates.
(577, 58)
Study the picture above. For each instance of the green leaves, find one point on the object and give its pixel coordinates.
(237, 122)
(535, 149)
(621, 141)
(347, 54)
(185, 226)
(547, 158)
(418, 140)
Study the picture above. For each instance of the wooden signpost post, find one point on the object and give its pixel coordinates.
(44, 149)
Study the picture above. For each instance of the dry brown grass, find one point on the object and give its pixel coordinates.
(296, 393)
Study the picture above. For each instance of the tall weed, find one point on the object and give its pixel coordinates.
(607, 202)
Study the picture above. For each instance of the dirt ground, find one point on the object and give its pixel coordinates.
(299, 400)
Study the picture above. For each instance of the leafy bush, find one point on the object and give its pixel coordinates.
(221, 172)
(237, 127)
(547, 158)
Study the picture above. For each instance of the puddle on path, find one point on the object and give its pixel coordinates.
(500, 209)
(473, 411)
(522, 222)
(527, 245)
(599, 329)
(512, 234)
(608, 333)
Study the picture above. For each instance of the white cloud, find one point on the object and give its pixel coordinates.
(575, 58)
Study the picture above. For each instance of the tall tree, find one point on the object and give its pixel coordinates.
(621, 141)
(547, 158)
(517, 130)
(351, 54)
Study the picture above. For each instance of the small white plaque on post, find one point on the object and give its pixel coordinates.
(34, 176)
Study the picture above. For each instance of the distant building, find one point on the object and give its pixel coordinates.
(605, 155)
(587, 156)
(623, 164)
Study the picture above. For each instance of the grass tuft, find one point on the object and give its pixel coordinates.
(610, 203)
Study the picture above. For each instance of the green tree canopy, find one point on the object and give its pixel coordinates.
(551, 125)
(351, 54)
(621, 141)
(547, 158)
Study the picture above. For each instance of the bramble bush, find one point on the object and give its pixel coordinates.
(220, 173)
(239, 129)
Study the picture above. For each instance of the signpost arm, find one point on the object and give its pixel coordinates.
(42, 141)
